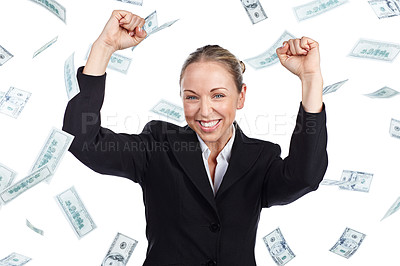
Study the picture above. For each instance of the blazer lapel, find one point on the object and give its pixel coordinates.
(245, 153)
(186, 149)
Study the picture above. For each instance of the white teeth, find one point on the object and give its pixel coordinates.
(209, 124)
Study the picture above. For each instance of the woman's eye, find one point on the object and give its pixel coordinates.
(191, 97)
(219, 96)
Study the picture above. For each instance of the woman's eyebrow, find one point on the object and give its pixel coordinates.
(189, 91)
(218, 89)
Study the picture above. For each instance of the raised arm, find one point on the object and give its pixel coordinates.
(303, 169)
(99, 148)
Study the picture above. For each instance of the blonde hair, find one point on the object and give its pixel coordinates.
(218, 54)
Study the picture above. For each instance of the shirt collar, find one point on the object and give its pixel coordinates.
(226, 151)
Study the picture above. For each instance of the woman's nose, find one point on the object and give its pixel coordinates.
(205, 108)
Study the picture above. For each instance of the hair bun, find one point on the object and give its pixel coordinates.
(243, 66)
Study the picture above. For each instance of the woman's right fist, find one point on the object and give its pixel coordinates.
(122, 30)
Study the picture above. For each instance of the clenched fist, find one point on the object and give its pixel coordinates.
(122, 30)
(301, 57)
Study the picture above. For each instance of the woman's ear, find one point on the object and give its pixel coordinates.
(242, 96)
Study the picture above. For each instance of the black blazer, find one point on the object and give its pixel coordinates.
(186, 224)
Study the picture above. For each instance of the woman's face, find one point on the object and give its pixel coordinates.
(210, 100)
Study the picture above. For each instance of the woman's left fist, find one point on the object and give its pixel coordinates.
(301, 57)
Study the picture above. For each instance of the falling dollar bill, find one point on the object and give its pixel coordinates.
(395, 128)
(254, 10)
(2, 94)
(169, 110)
(120, 250)
(53, 150)
(25, 184)
(151, 25)
(344, 182)
(316, 8)
(33, 228)
(385, 8)
(119, 63)
(329, 182)
(269, 57)
(88, 52)
(4, 55)
(333, 87)
(134, 2)
(14, 101)
(348, 243)
(44, 47)
(394, 208)
(375, 50)
(7, 176)
(71, 84)
(75, 212)
(356, 181)
(278, 248)
(165, 25)
(14, 259)
(384, 92)
(53, 7)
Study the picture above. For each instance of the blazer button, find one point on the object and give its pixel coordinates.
(214, 227)
(211, 263)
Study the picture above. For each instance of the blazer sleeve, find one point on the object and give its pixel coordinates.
(304, 168)
(99, 148)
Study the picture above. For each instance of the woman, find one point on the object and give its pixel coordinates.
(205, 184)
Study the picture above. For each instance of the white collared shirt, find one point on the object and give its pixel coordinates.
(222, 161)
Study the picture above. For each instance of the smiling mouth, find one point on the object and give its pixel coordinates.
(209, 125)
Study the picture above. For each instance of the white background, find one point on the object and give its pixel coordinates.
(358, 127)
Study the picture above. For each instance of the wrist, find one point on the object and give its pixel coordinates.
(312, 87)
(103, 48)
(100, 54)
(311, 78)
(314, 82)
